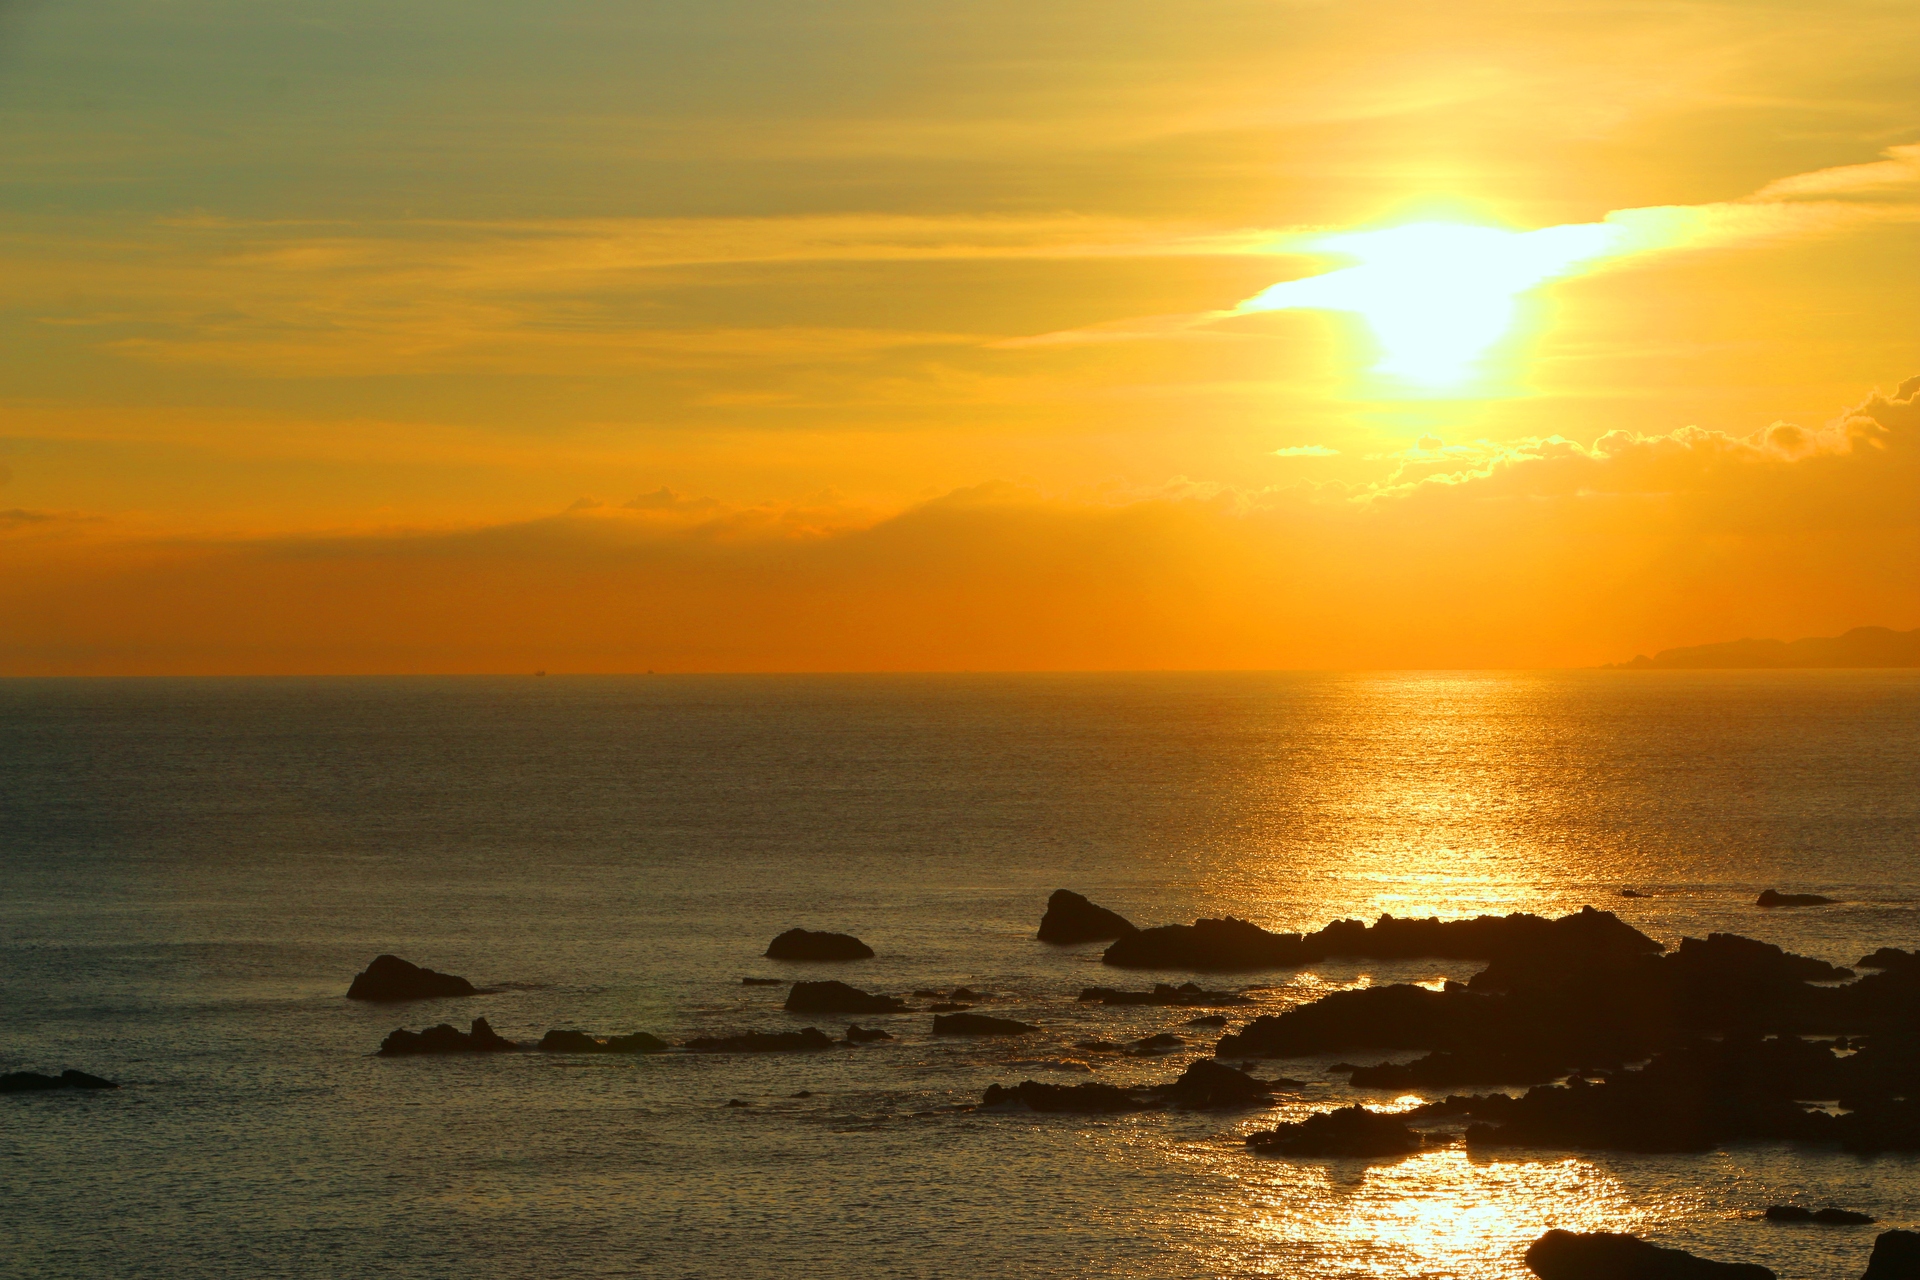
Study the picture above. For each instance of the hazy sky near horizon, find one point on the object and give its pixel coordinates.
(425, 336)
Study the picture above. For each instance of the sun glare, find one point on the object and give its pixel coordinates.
(1437, 295)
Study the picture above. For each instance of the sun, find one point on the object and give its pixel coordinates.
(1437, 295)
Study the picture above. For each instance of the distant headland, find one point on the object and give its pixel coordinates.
(1860, 647)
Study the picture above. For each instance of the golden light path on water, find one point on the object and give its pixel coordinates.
(1437, 296)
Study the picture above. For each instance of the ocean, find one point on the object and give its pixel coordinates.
(191, 871)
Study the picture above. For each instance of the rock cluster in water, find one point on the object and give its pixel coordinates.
(389, 979)
(979, 1024)
(1071, 918)
(1347, 1131)
(838, 997)
(1774, 898)
(581, 1042)
(808, 944)
(1204, 1085)
(446, 1039)
(34, 1082)
(1830, 1216)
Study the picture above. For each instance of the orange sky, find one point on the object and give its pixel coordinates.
(855, 336)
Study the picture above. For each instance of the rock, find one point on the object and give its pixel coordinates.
(978, 1024)
(857, 1034)
(1210, 945)
(948, 1006)
(838, 997)
(444, 1039)
(763, 982)
(1165, 1042)
(811, 1040)
(1099, 1046)
(962, 993)
(804, 1093)
(1187, 994)
(1071, 918)
(1207, 1020)
(1633, 893)
(1774, 898)
(34, 1082)
(1207, 1084)
(389, 978)
(1601, 1255)
(1400, 1016)
(805, 944)
(581, 1042)
(1086, 1099)
(1888, 958)
(736, 1102)
(1829, 1216)
(1349, 1131)
(1896, 1256)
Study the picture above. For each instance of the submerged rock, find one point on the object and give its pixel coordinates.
(1349, 1131)
(1187, 995)
(979, 1024)
(1896, 1256)
(445, 1039)
(857, 1034)
(838, 997)
(1602, 1255)
(1071, 918)
(1829, 1216)
(1774, 898)
(1164, 1042)
(389, 978)
(581, 1042)
(810, 1040)
(1086, 1099)
(34, 1082)
(807, 944)
(948, 1006)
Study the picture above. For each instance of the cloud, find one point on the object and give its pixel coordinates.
(1543, 550)
(1306, 451)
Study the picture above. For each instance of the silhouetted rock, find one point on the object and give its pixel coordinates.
(857, 1034)
(948, 1006)
(1164, 1042)
(1349, 1131)
(1830, 1216)
(1213, 945)
(838, 997)
(1206, 1084)
(962, 993)
(1632, 893)
(581, 1042)
(34, 1082)
(1400, 1016)
(1071, 918)
(1601, 1255)
(1774, 898)
(1086, 1099)
(978, 1024)
(389, 978)
(1187, 994)
(1896, 1256)
(763, 982)
(1481, 1064)
(1888, 958)
(445, 1039)
(806, 944)
(738, 1102)
(810, 1040)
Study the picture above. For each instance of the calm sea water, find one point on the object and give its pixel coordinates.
(191, 871)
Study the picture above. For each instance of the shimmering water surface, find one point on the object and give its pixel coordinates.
(190, 871)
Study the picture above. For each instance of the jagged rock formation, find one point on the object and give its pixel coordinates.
(389, 979)
(1349, 1131)
(34, 1082)
(445, 1039)
(581, 1042)
(1071, 918)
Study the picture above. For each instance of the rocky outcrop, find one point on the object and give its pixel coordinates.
(838, 997)
(979, 1024)
(1601, 1255)
(1888, 958)
(34, 1082)
(1350, 1131)
(1896, 1256)
(1224, 945)
(1186, 995)
(581, 1042)
(810, 1040)
(807, 944)
(1071, 918)
(389, 979)
(1084, 1099)
(1774, 898)
(857, 1034)
(1207, 1085)
(1830, 1216)
(445, 1039)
